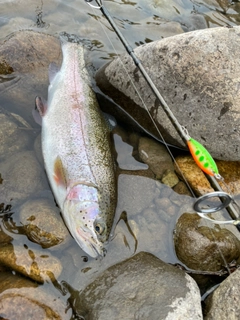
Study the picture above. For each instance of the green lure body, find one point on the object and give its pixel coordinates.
(203, 158)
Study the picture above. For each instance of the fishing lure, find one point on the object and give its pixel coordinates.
(203, 158)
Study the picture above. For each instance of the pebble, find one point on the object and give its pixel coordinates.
(170, 178)
(181, 188)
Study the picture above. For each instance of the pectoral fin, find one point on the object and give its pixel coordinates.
(39, 110)
(59, 175)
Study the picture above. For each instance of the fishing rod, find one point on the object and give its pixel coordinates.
(199, 153)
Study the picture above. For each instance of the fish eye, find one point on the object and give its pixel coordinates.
(99, 228)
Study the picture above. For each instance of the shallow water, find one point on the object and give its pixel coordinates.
(141, 22)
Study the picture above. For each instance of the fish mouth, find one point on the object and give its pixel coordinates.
(91, 246)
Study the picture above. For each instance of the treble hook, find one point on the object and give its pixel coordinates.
(99, 6)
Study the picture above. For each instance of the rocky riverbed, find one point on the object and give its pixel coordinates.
(44, 273)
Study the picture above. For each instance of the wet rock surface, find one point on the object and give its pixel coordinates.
(25, 52)
(187, 167)
(22, 175)
(14, 135)
(197, 73)
(21, 298)
(140, 288)
(155, 156)
(4, 238)
(198, 246)
(229, 170)
(32, 263)
(223, 303)
(43, 224)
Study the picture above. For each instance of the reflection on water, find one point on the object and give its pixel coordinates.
(147, 210)
(140, 21)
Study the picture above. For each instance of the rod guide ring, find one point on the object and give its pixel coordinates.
(225, 197)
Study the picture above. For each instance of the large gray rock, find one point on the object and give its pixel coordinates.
(142, 287)
(224, 303)
(198, 74)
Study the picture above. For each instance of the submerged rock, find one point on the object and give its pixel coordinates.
(43, 224)
(26, 54)
(34, 264)
(21, 298)
(22, 175)
(142, 287)
(202, 248)
(181, 188)
(224, 302)
(4, 238)
(197, 73)
(155, 156)
(10, 281)
(14, 135)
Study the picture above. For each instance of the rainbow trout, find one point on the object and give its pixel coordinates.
(76, 151)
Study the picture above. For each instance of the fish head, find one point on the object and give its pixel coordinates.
(84, 220)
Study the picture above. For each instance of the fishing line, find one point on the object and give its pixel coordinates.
(194, 146)
(143, 103)
(201, 156)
